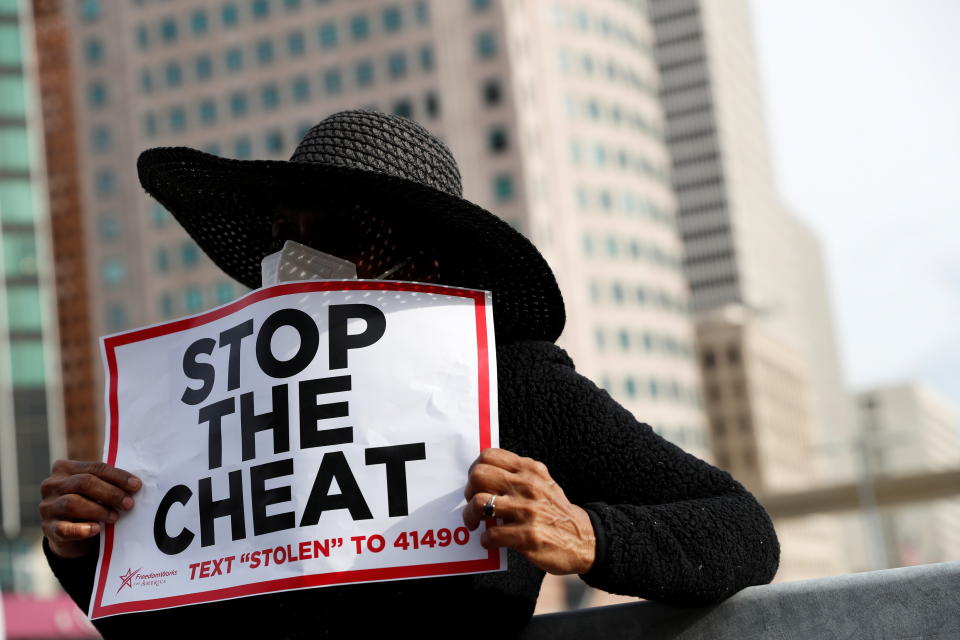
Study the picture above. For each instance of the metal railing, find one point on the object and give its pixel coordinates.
(911, 603)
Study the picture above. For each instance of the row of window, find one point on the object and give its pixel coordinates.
(363, 73)
(602, 156)
(619, 294)
(169, 30)
(626, 339)
(616, 246)
(610, 69)
(633, 387)
(208, 111)
(626, 203)
(192, 299)
(614, 113)
(600, 25)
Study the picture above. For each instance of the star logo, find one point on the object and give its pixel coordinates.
(126, 580)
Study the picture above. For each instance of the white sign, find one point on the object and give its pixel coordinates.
(308, 434)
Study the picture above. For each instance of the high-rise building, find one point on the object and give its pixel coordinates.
(742, 245)
(551, 110)
(908, 428)
(757, 392)
(31, 423)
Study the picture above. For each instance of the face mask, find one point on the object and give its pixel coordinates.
(300, 262)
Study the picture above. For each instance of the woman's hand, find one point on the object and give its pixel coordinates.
(538, 520)
(77, 497)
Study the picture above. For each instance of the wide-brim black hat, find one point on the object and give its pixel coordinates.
(388, 161)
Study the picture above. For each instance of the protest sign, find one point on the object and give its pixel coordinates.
(308, 434)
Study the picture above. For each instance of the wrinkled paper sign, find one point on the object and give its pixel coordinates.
(308, 434)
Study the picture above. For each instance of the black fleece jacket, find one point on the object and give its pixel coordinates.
(669, 527)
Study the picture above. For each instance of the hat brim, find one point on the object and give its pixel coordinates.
(225, 205)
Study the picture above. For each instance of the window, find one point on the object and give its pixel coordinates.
(192, 299)
(143, 36)
(328, 35)
(238, 104)
(203, 67)
(364, 73)
(503, 187)
(166, 305)
(19, 255)
(264, 51)
(274, 141)
(189, 254)
(301, 89)
(292, 5)
(392, 19)
(146, 81)
(426, 57)
(229, 15)
(208, 112)
(159, 216)
(422, 10)
(332, 82)
(168, 30)
(105, 182)
(234, 58)
(108, 227)
(269, 96)
(112, 271)
(116, 317)
(173, 74)
(360, 27)
(623, 337)
(178, 119)
(97, 94)
(709, 359)
(224, 292)
(242, 148)
(486, 45)
(260, 9)
(161, 260)
(198, 22)
(101, 138)
(23, 308)
(295, 43)
(16, 200)
(497, 139)
(149, 124)
(397, 64)
(432, 104)
(90, 10)
(93, 50)
(491, 91)
(212, 148)
(631, 386)
(654, 389)
(403, 108)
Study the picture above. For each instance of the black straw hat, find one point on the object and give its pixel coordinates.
(388, 161)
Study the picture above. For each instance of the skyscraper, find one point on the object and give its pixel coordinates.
(742, 245)
(551, 110)
(31, 424)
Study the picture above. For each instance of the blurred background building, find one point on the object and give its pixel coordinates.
(626, 138)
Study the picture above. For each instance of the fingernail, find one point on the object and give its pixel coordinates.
(127, 503)
(134, 483)
(112, 517)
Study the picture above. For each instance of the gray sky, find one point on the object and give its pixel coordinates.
(863, 111)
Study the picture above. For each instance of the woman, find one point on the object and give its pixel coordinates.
(579, 485)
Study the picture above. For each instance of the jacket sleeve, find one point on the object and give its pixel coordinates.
(670, 527)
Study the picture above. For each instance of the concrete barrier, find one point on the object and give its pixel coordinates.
(915, 603)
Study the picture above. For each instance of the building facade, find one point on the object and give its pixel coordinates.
(908, 428)
(31, 423)
(742, 245)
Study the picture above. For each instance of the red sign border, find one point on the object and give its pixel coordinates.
(490, 563)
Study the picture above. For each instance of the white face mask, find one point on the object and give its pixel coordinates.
(299, 262)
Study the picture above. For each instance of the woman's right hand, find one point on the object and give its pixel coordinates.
(77, 497)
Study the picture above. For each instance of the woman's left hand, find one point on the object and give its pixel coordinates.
(538, 520)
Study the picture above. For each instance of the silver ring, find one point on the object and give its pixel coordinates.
(490, 509)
